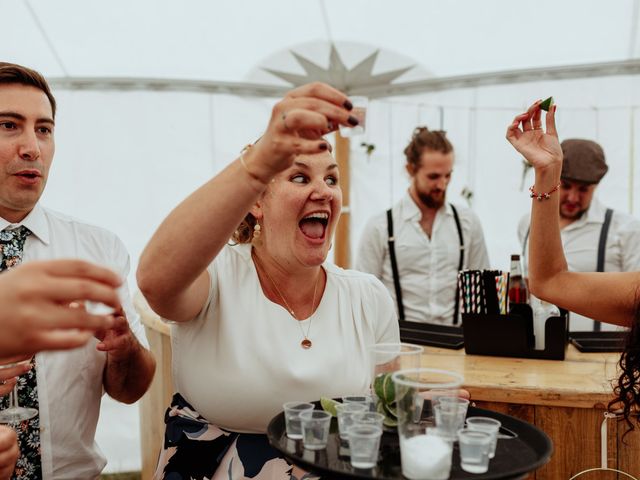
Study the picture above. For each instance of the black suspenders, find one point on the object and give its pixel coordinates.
(602, 247)
(394, 264)
(456, 301)
(602, 251)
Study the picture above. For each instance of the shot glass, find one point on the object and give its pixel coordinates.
(474, 450)
(364, 399)
(345, 412)
(364, 442)
(315, 429)
(292, 411)
(449, 414)
(449, 419)
(360, 105)
(368, 418)
(488, 425)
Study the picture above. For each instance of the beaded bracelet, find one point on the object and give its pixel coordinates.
(543, 196)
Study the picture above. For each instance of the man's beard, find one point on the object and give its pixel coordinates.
(430, 201)
(573, 216)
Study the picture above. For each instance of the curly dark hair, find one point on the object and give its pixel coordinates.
(627, 390)
(244, 231)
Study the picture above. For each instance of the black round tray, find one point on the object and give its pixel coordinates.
(522, 448)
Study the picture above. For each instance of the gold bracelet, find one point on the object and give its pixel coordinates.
(543, 196)
(244, 163)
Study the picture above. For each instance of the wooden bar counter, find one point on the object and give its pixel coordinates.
(566, 399)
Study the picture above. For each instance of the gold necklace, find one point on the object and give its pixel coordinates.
(305, 343)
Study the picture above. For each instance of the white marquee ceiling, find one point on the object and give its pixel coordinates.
(222, 43)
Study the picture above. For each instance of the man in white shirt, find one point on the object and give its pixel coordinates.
(427, 239)
(594, 237)
(69, 384)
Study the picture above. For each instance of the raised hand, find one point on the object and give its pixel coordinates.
(297, 125)
(541, 149)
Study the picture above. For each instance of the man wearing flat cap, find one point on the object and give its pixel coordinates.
(595, 238)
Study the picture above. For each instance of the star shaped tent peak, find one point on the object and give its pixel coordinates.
(338, 74)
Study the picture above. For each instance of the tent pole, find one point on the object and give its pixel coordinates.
(342, 246)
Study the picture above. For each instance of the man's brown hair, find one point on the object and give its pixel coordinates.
(11, 73)
(425, 139)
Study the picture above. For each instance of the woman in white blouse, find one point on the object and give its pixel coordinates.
(265, 319)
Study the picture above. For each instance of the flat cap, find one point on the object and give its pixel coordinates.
(583, 161)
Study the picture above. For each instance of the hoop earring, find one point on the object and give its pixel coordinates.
(257, 231)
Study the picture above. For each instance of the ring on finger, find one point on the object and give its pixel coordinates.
(537, 128)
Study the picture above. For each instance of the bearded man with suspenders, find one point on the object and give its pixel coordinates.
(417, 248)
(595, 238)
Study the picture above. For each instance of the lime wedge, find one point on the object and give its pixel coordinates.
(378, 385)
(390, 422)
(389, 390)
(329, 405)
(383, 387)
(546, 104)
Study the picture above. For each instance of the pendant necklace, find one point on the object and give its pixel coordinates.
(305, 343)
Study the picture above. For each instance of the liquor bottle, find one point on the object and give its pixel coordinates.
(518, 292)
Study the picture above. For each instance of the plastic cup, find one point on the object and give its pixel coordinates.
(488, 425)
(345, 412)
(292, 411)
(423, 452)
(450, 413)
(364, 399)
(386, 358)
(360, 105)
(449, 419)
(368, 418)
(474, 450)
(364, 443)
(315, 429)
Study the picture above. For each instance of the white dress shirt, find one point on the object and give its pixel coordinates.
(70, 382)
(427, 267)
(580, 241)
(240, 359)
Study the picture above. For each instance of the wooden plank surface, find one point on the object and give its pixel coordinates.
(581, 380)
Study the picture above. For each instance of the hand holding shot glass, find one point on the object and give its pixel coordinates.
(14, 413)
(359, 112)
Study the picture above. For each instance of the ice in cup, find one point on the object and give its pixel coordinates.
(474, 450)
(292, 411)
(489, 425)
(426, 457)
(359, 111)
(315, 429)
(364, 443)
(424, 453)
